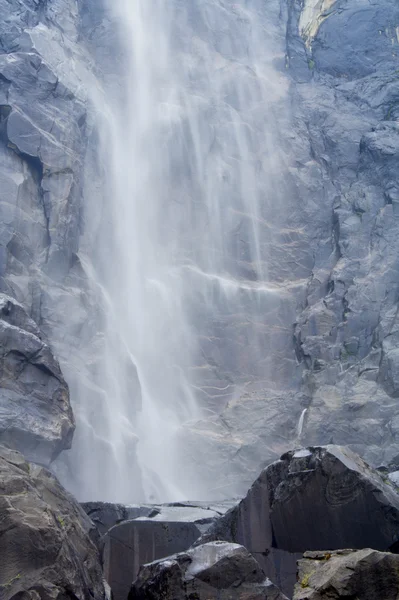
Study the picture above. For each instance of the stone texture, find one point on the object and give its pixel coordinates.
(47, 543)
(365, 574)
(333, 251)
(324, 497)
(325, 335)
(105, 515)
(43, 124)
(217, 570)
(35, 413)
(153, 532)
(42, 146)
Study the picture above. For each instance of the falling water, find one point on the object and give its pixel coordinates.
(301, 423)
(189, 162)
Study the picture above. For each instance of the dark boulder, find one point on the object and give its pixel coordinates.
(35, 413)
(365, 574)
(319, 498)
(214, 570)
(47, 542)
(105, 515)
(166, 529)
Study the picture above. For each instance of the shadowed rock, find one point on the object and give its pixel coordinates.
(215, 570)
(45, 537)
(105, 515)
(324, 497)
(164, 530)
(365, 574)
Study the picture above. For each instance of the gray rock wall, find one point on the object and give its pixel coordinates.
(331, 345)
(336, 248)
(35, 413)
(42, 145)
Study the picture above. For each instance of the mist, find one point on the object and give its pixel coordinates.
(188, 170)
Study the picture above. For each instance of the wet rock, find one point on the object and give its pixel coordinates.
(47, 542)
(215, 570)
(365, 574)
(165, 530)
(324, 497)
(35, 413)
(105, 515)
(340, 215)
(331, 250)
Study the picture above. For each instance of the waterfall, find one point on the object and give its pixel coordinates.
(189, 165)
(301, 423)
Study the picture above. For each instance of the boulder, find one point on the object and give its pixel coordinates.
(105, 515)
(366, 574)
(214, 570)
(316, 498)
(35, 413)
(164, 530)
(47, 543)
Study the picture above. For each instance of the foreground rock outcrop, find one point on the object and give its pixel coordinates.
(217, 570)
(150, 532)
(35, 414)
(364, 574)
(105, 515)
(322, 498)
(47, 543)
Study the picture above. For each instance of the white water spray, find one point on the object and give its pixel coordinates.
(190, 165)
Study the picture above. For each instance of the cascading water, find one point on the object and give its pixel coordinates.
(189, 175)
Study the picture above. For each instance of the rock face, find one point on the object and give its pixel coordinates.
(325, 498)
(47, 542)
(35, 414)
(336, 256)
(365, 574)
(42, 132)
(327, 354)
(152, 532)
(217, 570)
(42, 145)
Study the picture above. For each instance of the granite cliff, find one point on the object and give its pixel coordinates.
(328, 332)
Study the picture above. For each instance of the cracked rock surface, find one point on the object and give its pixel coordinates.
(42, 146)
(35, 414)
(47, 542)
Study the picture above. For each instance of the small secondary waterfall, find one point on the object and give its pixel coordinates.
(190, 167)
(301, 423)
